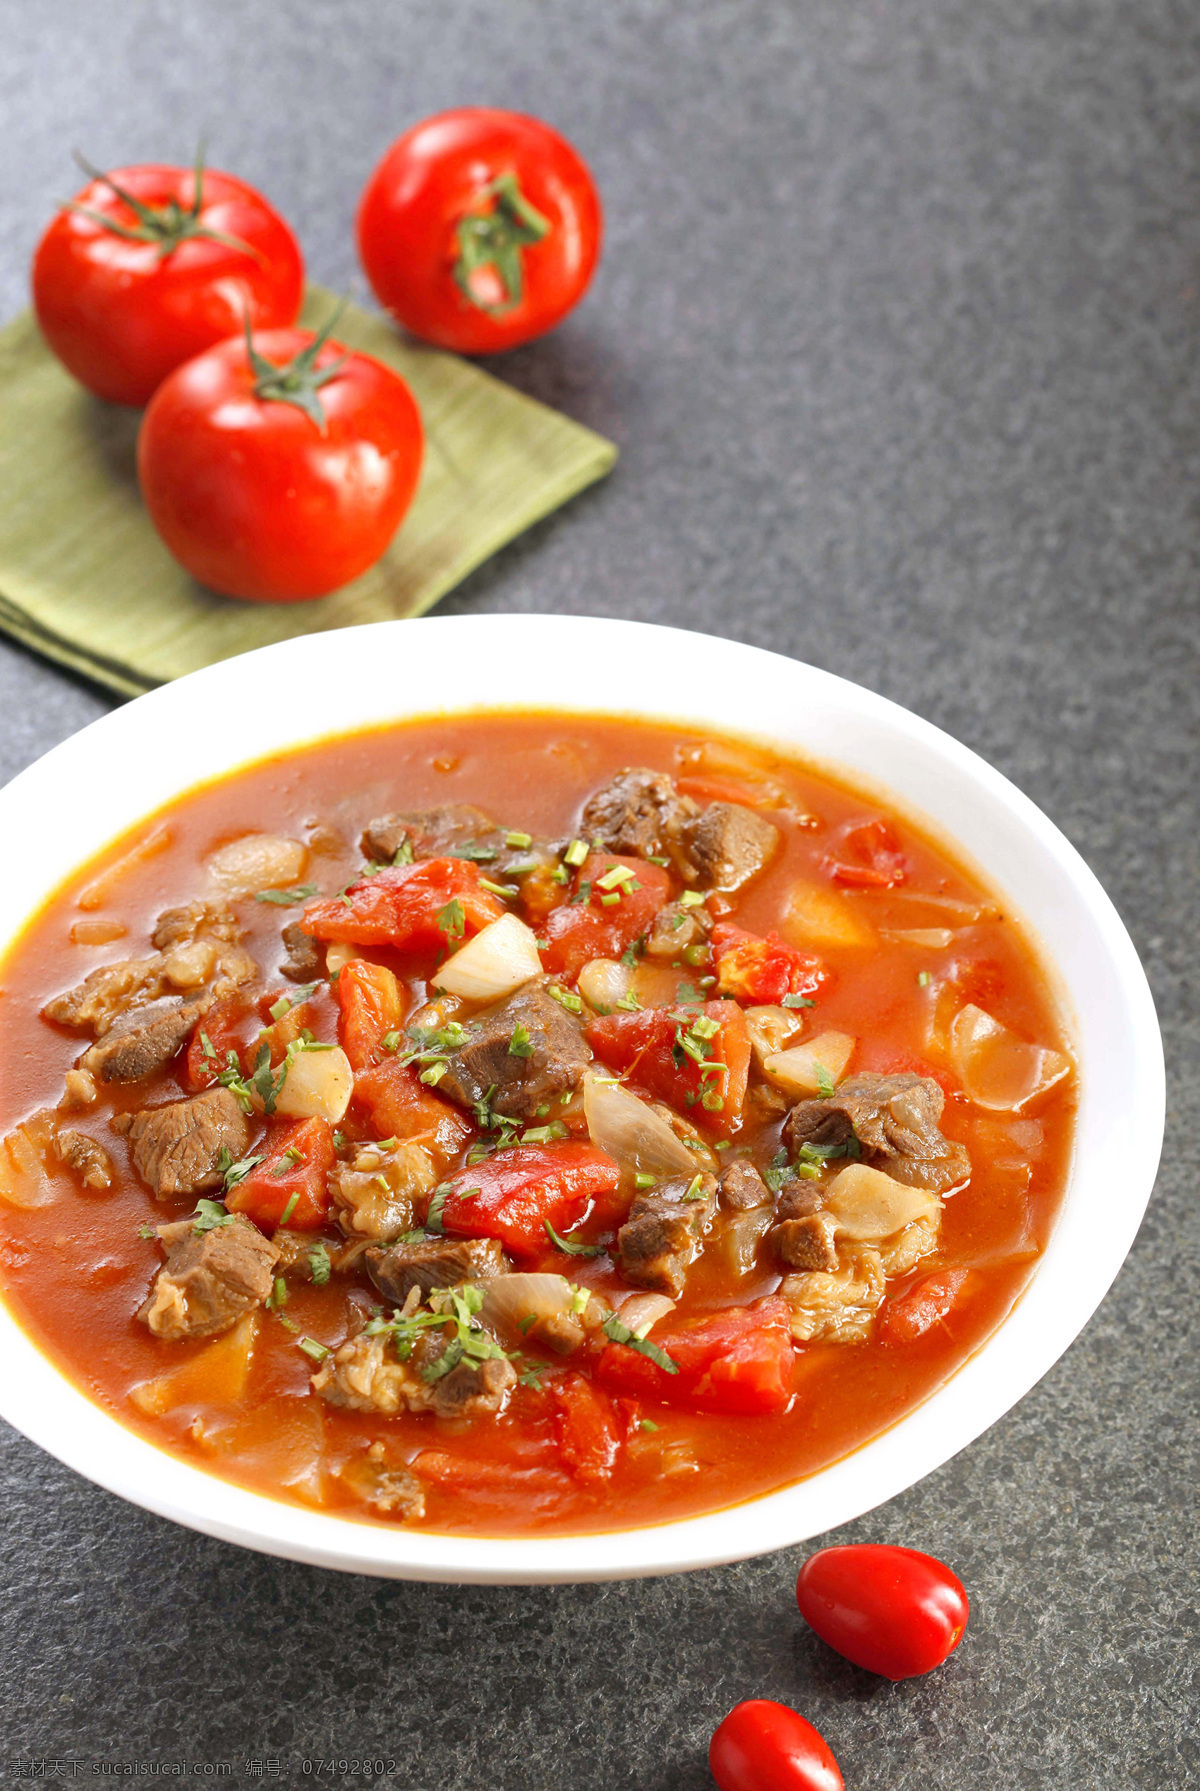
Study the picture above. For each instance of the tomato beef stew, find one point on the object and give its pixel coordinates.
(523, 1123)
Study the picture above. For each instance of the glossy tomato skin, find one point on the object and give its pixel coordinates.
(250, 496)
(892, 1610)
(120, 316)
(437, 173)
(764, 1746)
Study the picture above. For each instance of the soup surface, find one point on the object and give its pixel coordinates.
(523, 1123)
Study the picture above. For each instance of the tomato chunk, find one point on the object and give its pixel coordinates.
(587, 1425)
(413, 907)
(588, 926)
(510, 1196)
(911, 1314)
(298, 1160)
(866, 855)
(738, 1360)
(678, 1054)
(754, 969)
(371, 1006)
(400, 1106)
(227, 1026)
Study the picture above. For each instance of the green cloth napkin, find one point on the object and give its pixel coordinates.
(85, 579)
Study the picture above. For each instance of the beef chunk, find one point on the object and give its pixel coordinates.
(176, 1148)
(373, 1196)
(638, 813)
(663, 1231)
(743, 1187)
(557, 1056)
(103, 996)
(209, 1279)
(384, 1485)
(676, 928)
(432, 833)
(895, 1119)
(298, 1250)
(474, 1389)
(304, 962)
(90, 1161)
(729, 844)
(114, 991)
(146, 1040)
(181, 926)
(366, 1375)
(806, 1243)
(437, 1263)
(836, 1307)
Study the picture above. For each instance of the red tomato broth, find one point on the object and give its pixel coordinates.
(532, 772)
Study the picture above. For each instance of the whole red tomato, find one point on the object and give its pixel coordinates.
(892, 1610)
(480, 229)
(279, 469)
(149, 266)
(764, 1746)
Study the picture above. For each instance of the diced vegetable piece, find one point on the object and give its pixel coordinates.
(298, 1161)
(496, 962)
(695, 1058)
(762, 970)
(999, 1070)
(588, 1429)
(721, 773)
(866, 855)
(924, 938)
(257, 861)
(772, 1029)
(521, 1307)
(414, 907)
(587, 928)
(869, 1206)
(737, 1236)
(606, 983)
(911, 1314)
(820, 916)
(318, 1085)
(215, 1375)
(641, 1312)
(401, 1106)
(808, 1068)
(372, 1006)
(736, 1360)
(337, 955)
(511, 1196)
(24, 1179)
(227, 1026)
(636, 1137)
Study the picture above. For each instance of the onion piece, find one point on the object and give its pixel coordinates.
(604, 983)
(631, 1132)
(318, 1085)
(869, 1206)
(917, 908)
(257, 861)
(641, 1312)
(338, 954)
(798, 1070)
(545, 1307)
(770, 1028)
(738, 1237)
(927, 938)
(999, 1070)
(494, 963)
(817, 915)
(24, 1180)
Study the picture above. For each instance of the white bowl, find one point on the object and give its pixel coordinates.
(230, 714)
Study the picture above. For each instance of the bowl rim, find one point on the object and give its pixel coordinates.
(996, 826)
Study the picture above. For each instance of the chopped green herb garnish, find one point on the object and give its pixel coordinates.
(507, 890)
(620, 1333)
(610, 901)
(826, 1086)
(319, 1264)
(477, 854)
(526, 1324)
(705, 1027)
(612, 879)
(520, 1044)
(576, 853)
(290, 1157)
(437, 1200)
(570, 1245)
(648, 1424)
(923, 978)
(652, 858)
(572, 1003)
(403, 853)
(560, 874)
(582, 895)
(287, 898)
(339, 1141)
(391, 1041)
(290, 1208)
(312, 1348)
(545, 1134)
(630, 1003)
(146, 1231)
(210, 1214)
(632, 953)
(692, 898)
(232, 1173)
(433, 1075)
(797, 1001)
(695, 1188)
(451, 919)
(278, 1296)
(520, 840)
(643, 1179)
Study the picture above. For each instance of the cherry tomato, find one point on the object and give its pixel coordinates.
(764, 1746)
(480, 229)
(151, 265)
(279, 470)
(894, 1611)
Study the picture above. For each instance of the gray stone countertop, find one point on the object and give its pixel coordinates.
(897, 330)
